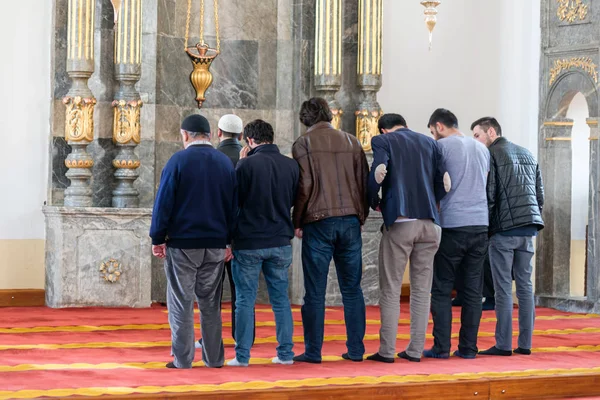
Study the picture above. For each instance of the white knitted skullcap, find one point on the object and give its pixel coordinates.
(231, 123)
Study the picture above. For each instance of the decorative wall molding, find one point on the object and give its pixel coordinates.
(572, 10)
(584, 63)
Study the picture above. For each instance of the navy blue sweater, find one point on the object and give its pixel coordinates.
(268, 182)
(196, 203)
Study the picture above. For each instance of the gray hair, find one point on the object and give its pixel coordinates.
(197, 135)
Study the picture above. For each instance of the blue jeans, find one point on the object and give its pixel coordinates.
(338, 238)
(246, 268)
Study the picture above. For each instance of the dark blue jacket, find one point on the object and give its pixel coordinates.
(196, 203)
(414, 183)
(268, 182)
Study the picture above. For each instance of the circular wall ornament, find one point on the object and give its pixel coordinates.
(111, 270)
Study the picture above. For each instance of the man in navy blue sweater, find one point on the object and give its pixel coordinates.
(192, 222)
(268, 183)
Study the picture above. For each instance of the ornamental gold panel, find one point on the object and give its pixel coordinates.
(79, 123)
(111, 270)
(571, 10)
(584, 63)
(336, 122)
(126, 127)
(366, 127)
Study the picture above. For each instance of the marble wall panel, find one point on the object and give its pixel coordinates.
(146, 182)
(59, 151)
(103, 152)
(78, 241)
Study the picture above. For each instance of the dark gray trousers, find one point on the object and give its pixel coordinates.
(195, 274)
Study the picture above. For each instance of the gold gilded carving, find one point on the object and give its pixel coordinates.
(337, 118)
(558, 139)
(126, 126)
(366, 127)
(80, 119)
(571, 10)
(79, 163)
(111, 270)
(126, 164)
(558, 123)
(584, 63)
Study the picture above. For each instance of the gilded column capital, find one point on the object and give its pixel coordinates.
(328, 54)
(370, 20)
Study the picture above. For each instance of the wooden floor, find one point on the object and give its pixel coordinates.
(581, 386)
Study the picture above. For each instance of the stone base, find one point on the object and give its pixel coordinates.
(80, 240)
(574, 305)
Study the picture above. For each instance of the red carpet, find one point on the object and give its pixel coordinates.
(90, 352)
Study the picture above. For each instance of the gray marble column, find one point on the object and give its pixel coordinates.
(80, 102)
(370, 20)
(554, 242)
(593, 250)
(328, 54)
(127, 104)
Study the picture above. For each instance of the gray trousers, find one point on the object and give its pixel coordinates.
(417, 241)
(195, 274)
(512, 255)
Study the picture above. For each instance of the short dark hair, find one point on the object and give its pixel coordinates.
(444, 117)
(314, 111)
(486, 123)
(389, 121)
(260, 131)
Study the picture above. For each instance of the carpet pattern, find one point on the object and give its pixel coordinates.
(93, 352)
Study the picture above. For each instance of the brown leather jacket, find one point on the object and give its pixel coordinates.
(333, 176)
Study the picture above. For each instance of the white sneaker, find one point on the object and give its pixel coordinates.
(276, 360)
(236, 363)
(198, 344)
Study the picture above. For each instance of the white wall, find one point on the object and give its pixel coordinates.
(484, 61)
(24, 117)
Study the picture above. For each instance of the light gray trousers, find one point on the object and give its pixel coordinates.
(512, 255)
(417, 241)
(195, 274)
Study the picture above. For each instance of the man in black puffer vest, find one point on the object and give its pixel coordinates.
(515, 201)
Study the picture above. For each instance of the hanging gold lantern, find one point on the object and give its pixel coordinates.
(201, 54)
(431, 16)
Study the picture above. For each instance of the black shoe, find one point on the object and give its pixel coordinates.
(303, 358)
(494, 351)
(407, 357)
(457, 353)
(171, 365)
(379, 358)
(524, 352)
(346, 356)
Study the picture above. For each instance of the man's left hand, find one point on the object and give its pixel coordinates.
(160, 250)
(228, 255)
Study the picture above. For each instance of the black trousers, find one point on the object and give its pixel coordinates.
(488, 281)
(232, 285)
(462, 253)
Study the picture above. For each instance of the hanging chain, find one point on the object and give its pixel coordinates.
(202, 22)
(188, 20)
(217, 25)
(187, 24)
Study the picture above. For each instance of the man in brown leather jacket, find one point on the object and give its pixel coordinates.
(330, 208)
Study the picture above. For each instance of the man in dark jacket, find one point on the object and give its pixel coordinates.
(515, 201)
(331, 206)
(192, 222)
(408, 166)
(267, 183)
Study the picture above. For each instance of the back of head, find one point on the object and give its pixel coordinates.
(231, 125)
(314, 111)
(444, 117)
(390, 121)
(259, 131)
(196, 126)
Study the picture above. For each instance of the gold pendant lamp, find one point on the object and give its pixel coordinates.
(431, 16)
(201, 54)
